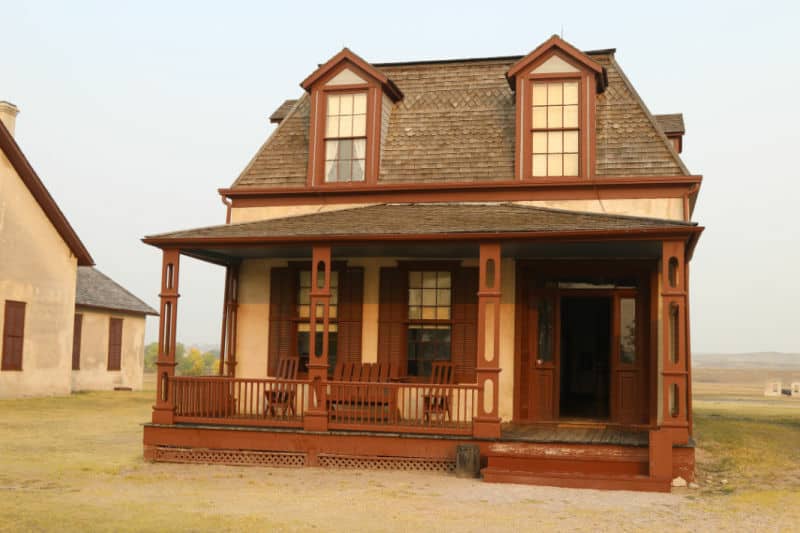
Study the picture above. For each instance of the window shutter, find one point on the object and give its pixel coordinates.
(464, 348)
(392, 312)
(351, 297)
(13, 335)
(282, 294)
(76, 342)
(115, 344)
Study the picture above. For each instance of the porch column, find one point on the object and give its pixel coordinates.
(316, 418)
(164, 409)
(487, 369)
(675, 342)
(227, 346)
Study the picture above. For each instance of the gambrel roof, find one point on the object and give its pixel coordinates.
(456, 123)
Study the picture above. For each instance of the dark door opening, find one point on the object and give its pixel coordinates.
(585, 357)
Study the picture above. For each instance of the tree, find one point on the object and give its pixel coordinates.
(150, 357)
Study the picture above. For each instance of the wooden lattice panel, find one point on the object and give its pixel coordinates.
(386, 463)
(228, 457)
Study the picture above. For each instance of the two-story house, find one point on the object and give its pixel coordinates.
(436, 253)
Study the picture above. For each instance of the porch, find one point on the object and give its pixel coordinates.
(494, 305)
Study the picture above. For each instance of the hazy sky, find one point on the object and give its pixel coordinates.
(135, 113)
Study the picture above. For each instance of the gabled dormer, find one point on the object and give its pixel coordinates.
(555, 89)
(347, 99)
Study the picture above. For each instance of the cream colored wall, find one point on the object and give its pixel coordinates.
(38, 268)
(252, 328)
(252, 214)
(94, 373)
(668, 208)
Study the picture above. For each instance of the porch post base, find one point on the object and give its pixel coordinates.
(315, 420)
(163, 415)
(660, 454)
(486, 428)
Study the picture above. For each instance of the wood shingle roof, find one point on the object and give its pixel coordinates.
(95, 289)
(456, 123)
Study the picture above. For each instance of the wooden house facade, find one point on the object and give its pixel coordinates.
(431, 254)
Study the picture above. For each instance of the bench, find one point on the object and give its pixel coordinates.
(356, 394)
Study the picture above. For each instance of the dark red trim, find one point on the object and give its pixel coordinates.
(346, 55)
(31, 180)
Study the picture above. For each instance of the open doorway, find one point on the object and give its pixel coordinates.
(585, 357)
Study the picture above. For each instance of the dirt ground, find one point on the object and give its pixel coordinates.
(74, 464)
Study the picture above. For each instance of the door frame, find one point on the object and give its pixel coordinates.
(528, 270)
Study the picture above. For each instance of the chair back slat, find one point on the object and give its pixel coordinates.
(287, 367)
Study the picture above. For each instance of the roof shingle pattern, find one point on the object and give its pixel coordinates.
(95, 289)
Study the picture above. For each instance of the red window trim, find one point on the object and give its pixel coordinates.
(319, 94)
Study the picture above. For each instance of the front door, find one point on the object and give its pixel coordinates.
(581, 350)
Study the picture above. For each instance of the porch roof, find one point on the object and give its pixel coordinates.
(426, 222)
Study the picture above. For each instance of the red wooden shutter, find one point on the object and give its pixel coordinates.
(392, 313)
(351, 298)
(77, 327)
(282, 295)
(13, 335)
(464, 339)
(115, 344)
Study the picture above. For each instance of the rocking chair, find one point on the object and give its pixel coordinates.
(280, 397)
(437, 401)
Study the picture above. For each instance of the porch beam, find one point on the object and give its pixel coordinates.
(164, 409)
(316, 418)
(487, 369)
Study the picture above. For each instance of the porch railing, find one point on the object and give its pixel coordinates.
(391, 407)
(234, 401)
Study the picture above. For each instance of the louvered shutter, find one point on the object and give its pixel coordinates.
(115, 344)
(282, 294)
(392, 312)
(13, 335)
(464, 337)
(351, 298)
(77, 329)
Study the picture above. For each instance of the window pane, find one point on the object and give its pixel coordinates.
(554, 93)
(346, 105)
(571, 141)
(332, 127)
(571, 92)
(414, 297)
(570, 164)
(428, 313)
(444, 280)
(346, 126)
(344, 169)
(333, 105)
(545, 341)
(414, 312)
(539, 142)
(571, 116)
(554, 117)
(554, 165)
(359, 148)
(429, 280)
(305, 278)
(443, 313)
(428, 297)
(540, 165)
(443, 297)
(539, 94)
(539, 117)
(358, 170)
(554, 144)
(627, 330)
(330, 171)
(304, 296)
(359, 125)
(415, 279)
(360, 103)
(345, 149)
(331, 148)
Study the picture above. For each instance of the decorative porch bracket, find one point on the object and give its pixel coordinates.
(227, 345)
(675, 343)
(164, 409)
(316, 418)
(487, 421)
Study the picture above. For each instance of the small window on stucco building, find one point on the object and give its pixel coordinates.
(115, 344)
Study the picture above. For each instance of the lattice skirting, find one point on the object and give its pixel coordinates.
(229, 457)
(386, 463)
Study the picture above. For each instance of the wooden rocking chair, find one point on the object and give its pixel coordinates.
(437, 402)
(281, 396)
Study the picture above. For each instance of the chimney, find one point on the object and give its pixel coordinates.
(8, 115)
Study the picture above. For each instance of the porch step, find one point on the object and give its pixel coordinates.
(576, 481)
(571, 465)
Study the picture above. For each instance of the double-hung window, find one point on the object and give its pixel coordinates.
(429, 320)
(304, 319)
(555, 130)
(345, 137)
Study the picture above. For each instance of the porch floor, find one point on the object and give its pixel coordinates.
(566, 434)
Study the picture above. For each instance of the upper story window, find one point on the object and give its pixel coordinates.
(555, 131)
(345, 137)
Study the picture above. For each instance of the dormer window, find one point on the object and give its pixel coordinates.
(555, 130)
(345, 137)
(348, 96)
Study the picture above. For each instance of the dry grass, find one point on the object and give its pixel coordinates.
(74, 464)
